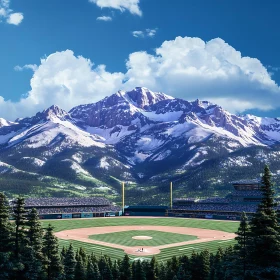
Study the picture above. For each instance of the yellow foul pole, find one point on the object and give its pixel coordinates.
(171, 190)
(123, 197)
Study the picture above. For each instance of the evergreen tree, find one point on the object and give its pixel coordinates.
(162, 272)
(218, 264)
(35, 234)
(264, 249)
(241, 247)
(83, 255)
(70, 263)
(92, 271)
(20, 218)
(194, 261)
(174, 264)
(116, 271)
(33, 269)
(6, 229)
(105, 269)
(181, 273)
(185, 263)
(126, 268)
(204, 266)
(152, 269)
(229, 263)
(63, 254)
(50, 250)
(6, 232)
(139, 273)
(6, 265)
(80, 269)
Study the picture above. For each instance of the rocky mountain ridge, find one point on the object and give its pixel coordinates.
(137, 135)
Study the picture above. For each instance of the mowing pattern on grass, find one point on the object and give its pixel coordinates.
(159, 238)
(165, 254)
(123, 221)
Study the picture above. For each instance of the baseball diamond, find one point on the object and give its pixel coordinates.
(170, 236)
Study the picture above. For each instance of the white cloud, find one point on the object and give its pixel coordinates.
(146, 33)
(7, 14)
(187, 67)
(104, 18)
(63, 79)
(191, 68)
(131, 5)
(15, 18)
(32, 67)
(138, 34)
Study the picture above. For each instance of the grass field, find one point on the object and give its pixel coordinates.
(158, 238)
(165, 254)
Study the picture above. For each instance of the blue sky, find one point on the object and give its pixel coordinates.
(51, 52)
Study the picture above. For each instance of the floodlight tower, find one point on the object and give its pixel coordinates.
(171, 195)
(123, 197)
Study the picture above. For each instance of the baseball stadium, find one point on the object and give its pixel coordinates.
(142, 231)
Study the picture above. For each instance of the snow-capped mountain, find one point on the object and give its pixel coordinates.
(134, 135)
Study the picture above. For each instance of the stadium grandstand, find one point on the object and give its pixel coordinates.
(67, 208)
(245, 198)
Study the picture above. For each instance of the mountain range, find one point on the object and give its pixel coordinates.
(144, 138)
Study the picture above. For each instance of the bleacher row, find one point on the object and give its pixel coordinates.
(218, 208)
(64, 201)
(68, 210)
(245, 197)
(53, 205)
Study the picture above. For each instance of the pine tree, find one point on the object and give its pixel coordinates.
(152, 269)
(174, 264)
(6, 229)
(20, 218)
(53, 263)
(194, 261)
(35, 233)
(80, 269)
(83, 255)
(264, 249)
(218, 264)
(181, 273)
(70, 263)
(162, 272)
(63, 254)
(125, 268)
(116, 271)
(241, 247)
(92, 270)
(6, 233)
(204, 266)
(138, 273)
(33, 268)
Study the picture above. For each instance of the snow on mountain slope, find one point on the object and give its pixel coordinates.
(52, 126)
(4, 122)
(142, 126)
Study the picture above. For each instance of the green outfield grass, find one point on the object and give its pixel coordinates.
(158, 238)
(165, 254)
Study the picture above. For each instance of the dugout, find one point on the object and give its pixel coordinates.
(141, 210)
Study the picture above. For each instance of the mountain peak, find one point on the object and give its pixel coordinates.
(4, 122)
(143, 97)
(54, 111)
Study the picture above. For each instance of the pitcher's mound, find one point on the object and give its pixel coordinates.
(142, 237)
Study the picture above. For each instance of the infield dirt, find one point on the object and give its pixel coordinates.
(203, 235)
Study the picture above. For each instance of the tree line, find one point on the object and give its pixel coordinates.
(30, 252)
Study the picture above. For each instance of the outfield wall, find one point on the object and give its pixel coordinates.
(79, 215)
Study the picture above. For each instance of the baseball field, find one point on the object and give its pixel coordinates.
(143, 237)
